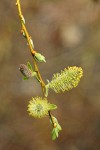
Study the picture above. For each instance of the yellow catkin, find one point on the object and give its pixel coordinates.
(38, 107)
(66, 80)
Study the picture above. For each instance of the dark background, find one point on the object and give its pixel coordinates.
(67, 33)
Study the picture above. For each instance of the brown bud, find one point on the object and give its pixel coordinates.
(25, 71)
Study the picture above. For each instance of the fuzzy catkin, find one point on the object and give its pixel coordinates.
(38, 107)
(25, 71)
(66, 80)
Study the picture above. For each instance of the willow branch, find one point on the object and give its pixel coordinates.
(24, 29)
(28, 37)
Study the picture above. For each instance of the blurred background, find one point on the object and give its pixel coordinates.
(67, 33)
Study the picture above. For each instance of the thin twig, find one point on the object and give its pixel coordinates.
(28, 37)
(29, 43)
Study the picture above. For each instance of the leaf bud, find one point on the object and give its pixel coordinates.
(39, 57)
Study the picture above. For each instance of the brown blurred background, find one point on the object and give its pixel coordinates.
(67, 33)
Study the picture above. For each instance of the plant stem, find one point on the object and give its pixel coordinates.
(24, 28)
(29, 43)
(28, 37)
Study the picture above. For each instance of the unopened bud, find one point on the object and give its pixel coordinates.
(55, 125)
(31, 42)
(25, 71)
(39, 57)
(23, 33)
(22, 19)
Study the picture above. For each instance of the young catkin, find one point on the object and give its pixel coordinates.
(38, 107)
(66, 80)
(25, 71)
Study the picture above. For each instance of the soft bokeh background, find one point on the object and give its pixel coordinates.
(67, 33)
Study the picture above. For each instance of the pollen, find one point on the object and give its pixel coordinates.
(66, 80)
(38, 107)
